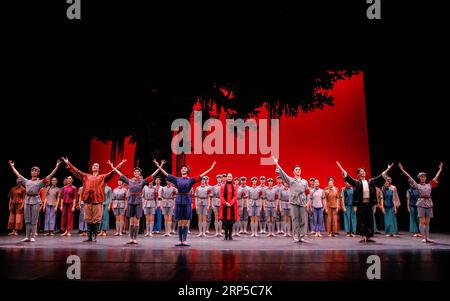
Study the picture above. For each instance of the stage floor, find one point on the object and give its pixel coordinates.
(212, 258)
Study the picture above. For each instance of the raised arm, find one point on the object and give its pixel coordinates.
(347, 178)
(75, 171)
(11, 163)
(157, 170)
(380, 179)
(441, 165)
(283, 175)
(111, 174)
(160, 166)
(404, 171)
(207, 171)
(49, 177)
(114, 168)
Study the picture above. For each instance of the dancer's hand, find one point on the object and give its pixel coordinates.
(400, 166)
(58, 162)
(390, 166)
(156, 163)
(275, 160)
(11, 163)
(121, 163)
(110, 163)
(356, 209)
(214, 164)
(441, 164)
(162, 162)
(66, 160)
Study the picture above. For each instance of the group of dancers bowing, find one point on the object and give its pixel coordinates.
(232, 202)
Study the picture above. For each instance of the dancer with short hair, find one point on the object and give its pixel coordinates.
(32, 198)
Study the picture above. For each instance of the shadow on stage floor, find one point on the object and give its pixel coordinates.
(243, 259)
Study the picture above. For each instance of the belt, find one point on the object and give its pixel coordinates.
(167, 198)
(202, 198)
(365, 200)
(184, 193)
(425, 197)
(135, 193)
(35, 194)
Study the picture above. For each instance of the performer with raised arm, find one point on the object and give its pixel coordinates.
(298, 198)
(93, 195)
(32, 198)
(364, 197)
(134, 209)
(424, 203)
(183, 202)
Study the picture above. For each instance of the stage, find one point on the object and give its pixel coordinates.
(213, 259)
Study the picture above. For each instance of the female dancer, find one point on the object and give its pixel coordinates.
(104, 226)
(285, 208)
(318, 205)
(118, 205)
(424, 203)
(134, 201)
(242, 207)
(183, 202)
(202, 194)
(332, 201)
(168, 194)
(412, 196)
(254, 205)
(389, 206)
(32, 199)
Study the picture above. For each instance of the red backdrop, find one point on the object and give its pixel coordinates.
(313, 140)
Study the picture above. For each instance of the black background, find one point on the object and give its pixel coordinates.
(59, 75)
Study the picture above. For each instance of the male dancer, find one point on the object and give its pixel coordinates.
(93, 195)
(270, 205)
(299, 199)
(364, 198)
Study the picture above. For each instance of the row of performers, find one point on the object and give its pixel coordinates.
(231, 201)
